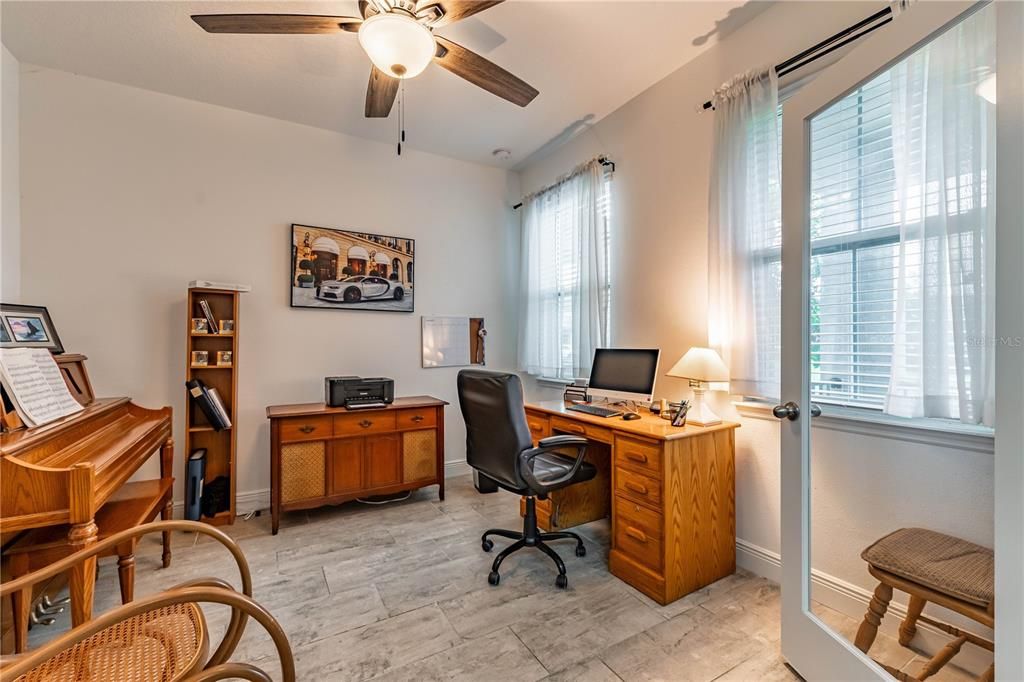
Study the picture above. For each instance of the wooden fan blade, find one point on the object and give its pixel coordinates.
(483, 73)
(275, 23)
(454, 10)
(380, 94)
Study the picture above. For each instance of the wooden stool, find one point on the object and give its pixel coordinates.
(132, 505)
(930, 567)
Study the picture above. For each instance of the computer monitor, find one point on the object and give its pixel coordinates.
(624, 373)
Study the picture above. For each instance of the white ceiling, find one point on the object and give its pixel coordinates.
(586, 58)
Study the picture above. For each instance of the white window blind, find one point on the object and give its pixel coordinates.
(566, 289)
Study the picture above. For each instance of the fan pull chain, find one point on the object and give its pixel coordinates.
(401, 116)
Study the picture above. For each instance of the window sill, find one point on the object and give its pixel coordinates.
(935, 432)
(552, 382)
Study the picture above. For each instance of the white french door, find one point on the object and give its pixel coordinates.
(815, 650)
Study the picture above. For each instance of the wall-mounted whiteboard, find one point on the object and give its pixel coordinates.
(453, 341)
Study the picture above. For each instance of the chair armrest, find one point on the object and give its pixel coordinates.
(216, 595)
(561, 441)
(524, 463)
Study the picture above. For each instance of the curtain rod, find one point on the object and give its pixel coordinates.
(830, 44)
(603, 160)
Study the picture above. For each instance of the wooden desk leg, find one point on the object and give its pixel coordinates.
(21, 603)
(126, 570)
(82, 576)
(167, 513)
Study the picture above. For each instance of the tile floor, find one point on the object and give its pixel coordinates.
(399, 592)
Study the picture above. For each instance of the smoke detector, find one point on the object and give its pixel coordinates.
(501, 154)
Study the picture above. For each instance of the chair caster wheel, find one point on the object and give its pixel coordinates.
(487, 545)
(493, 578)
(561, 581)
(581, 550)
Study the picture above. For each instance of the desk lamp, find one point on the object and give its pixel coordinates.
(700, 365)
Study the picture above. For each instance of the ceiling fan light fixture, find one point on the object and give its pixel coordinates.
(397, 44)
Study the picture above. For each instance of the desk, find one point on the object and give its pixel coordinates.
(670, 493)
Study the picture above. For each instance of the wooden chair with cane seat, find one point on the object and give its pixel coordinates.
(162, 637)
(930, 567)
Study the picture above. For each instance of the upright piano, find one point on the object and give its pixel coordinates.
(56, 478)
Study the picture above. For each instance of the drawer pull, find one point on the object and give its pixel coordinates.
(637, 457)
(307, 428)
(637, 535)
(575, 428)
(418, 418)
(366, 423)
(636, 487)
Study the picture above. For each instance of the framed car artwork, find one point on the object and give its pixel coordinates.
(348, 270)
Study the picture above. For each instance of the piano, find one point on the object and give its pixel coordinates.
(57, 477)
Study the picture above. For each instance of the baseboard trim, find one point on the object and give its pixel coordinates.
(853, 600)
(256, 500)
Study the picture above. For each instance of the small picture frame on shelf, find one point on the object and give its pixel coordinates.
(227, 326)
(200, 358)
(28, 326)
(223, 358)
(200, 326)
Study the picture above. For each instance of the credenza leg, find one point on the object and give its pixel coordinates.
(82, 576)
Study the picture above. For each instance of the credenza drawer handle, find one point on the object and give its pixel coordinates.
(636, 487)
(307, 428)
(637, 535)
(637, 457)
(366, 423)
(418, 418)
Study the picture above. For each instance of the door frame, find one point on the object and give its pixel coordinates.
(810, 646)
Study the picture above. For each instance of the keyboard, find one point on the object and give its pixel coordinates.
(595, 410)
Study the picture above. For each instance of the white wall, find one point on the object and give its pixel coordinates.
(10, 202)
(864, 486)
(127, 195)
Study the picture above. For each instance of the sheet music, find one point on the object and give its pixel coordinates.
(445, 341)
(34, 383)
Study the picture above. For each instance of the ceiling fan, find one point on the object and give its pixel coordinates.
(398, 37)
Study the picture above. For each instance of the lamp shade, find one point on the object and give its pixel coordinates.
(700, 364)
(398, 45)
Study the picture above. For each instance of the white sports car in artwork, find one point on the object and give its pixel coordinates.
(359, 287)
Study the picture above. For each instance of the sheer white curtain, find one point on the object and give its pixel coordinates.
(744, 235)
(943, 132)
(564, 278)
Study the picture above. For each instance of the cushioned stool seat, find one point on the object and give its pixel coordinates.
(944, 563)
(930, 567)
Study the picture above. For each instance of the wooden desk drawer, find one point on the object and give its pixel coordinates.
(369, 422)
(639, 454)
(305, 428)
(598, 433)
(637, 487)
(638, 533)
(415, 419)
(540, 427)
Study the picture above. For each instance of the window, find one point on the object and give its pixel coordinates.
(900, 230)
(565, 284)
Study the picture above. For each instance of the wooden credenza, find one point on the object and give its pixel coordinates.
(327, 455)
(670, 493)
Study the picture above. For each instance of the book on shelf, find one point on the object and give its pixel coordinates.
(210, 319)
(34, 386)
(210, 403)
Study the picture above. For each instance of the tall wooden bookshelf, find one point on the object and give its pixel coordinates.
(220, 445)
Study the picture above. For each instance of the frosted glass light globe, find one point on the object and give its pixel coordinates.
(398, 45)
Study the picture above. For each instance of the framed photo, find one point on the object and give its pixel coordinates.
(200, 325)
(28, 326)
(346, 270)
(223, 358)
(227, 326)
(200, 358)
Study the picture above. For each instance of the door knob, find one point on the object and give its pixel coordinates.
(790, 411)
(815, 410)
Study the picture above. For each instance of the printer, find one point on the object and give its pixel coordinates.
(356, 393)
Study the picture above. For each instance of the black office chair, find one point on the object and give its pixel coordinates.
(499, 447)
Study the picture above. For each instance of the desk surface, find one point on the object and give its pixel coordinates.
(313, 409)
(649, 425)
